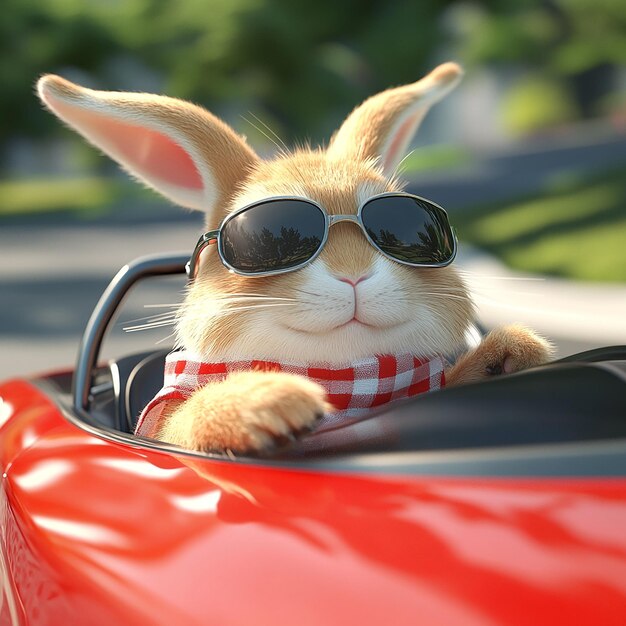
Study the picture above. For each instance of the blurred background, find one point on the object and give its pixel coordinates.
(528, 154)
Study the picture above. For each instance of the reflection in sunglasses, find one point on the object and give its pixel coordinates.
(262, 250)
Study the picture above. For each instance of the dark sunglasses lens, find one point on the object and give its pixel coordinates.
(410, 230)
(272, 236)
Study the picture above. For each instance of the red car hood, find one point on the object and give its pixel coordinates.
(95, 531)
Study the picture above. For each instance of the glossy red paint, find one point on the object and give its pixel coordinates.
(97, 532)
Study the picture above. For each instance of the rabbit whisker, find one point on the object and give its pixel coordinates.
(278, 138)
(487, 297)
(149, 326)
(160, 341)
(444, 296)
(246, 293)
(246, 299)
(230, 310)
(435, 289)
(223, 311)
(154, 318)
(399, 168)
(242, 297)
(281, 148)
(478, 276)
(308, 293)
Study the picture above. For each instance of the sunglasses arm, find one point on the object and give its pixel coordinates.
(191, 268)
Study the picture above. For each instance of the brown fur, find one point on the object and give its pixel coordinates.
(270, 408)
(503, 351)
(372, 121)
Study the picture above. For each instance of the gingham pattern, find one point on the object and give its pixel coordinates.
(353, 390)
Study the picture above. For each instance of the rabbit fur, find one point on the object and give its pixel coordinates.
(196, 160)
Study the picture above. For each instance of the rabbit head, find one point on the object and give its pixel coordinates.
(351, 301)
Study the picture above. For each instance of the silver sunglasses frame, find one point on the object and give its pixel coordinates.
(214, 236)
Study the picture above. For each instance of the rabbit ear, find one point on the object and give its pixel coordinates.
(177, 148)
(383, 125)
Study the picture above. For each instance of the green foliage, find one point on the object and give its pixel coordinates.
(89, 194)
(535, 103)
(575, 47)
(575, 231)
(300, 65)
(563, 36)
(433, 158)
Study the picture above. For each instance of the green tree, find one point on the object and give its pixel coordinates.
(300, 65)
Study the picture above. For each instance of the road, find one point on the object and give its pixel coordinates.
(52, 277)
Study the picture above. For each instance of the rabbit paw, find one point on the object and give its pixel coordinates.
(502, 351)
(249, 412)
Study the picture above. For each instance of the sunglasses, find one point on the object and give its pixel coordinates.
(283, 234)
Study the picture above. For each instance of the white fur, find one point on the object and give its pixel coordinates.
(367, 190)
(319, 327)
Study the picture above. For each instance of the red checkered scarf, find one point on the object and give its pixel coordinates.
(353, 390)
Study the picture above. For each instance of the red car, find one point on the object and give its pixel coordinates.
(502, 502)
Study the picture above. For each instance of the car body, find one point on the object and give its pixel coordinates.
(496, 503)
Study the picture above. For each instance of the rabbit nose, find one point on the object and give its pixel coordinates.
(352, 281)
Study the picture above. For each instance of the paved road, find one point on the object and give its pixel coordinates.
(48, 289)
(51, 273)
(574, 316)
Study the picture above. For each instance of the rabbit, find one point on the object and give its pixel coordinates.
(349, 303)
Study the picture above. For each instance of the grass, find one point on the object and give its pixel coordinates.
(87, 196)
(433, 158)
(576, 230)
